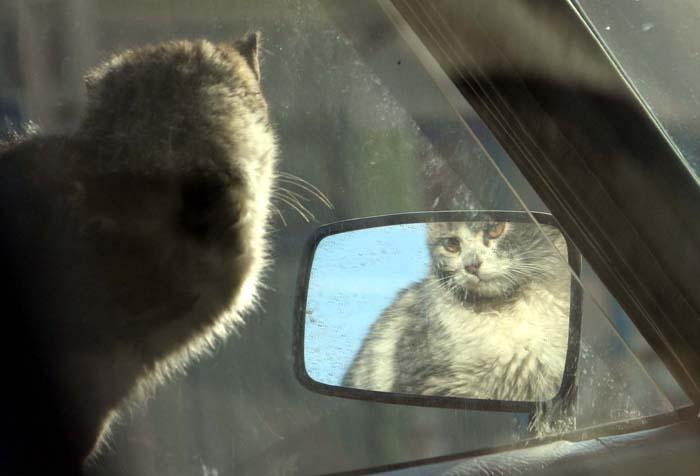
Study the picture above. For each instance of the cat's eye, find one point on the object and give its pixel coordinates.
(451, 244)
(494, 230)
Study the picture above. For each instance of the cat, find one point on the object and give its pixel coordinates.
(132, 245)
(489, 321)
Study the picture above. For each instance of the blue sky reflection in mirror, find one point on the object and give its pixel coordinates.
(340, 307)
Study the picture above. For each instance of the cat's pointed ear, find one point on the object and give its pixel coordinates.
(92, 79)
(248, 48)
(90, 82)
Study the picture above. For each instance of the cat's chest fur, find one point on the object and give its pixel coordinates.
(513, 350)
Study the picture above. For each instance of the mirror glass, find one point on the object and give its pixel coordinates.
(473, 309)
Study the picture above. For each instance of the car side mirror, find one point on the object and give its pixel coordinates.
(477, 309)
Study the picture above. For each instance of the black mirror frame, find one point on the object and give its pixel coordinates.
(567, 391)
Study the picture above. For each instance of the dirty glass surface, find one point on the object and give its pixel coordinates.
(656, 43)
(377, 135)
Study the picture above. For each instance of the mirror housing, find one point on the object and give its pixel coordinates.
(565, 396)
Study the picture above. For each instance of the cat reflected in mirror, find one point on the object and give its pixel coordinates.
(489, 321)
(133, 244)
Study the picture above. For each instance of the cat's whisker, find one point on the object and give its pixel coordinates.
(276, 209)
(294, 207)
(526, 257)
(527, 265)
(311, 188)
(317, 194)
(534, 271)
(282, 192)
(297, 207)
(511, 279)
(296, 195)
(440, 283)
(296, 181)
(435, 285)
(527, 274)
(522, 269)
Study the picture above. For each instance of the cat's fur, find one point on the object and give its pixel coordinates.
(500, 336)
(133, 244)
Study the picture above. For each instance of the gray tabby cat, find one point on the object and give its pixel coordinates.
(489, 321)
(134, 244)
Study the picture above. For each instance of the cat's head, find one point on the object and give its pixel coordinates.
(490, 259)
(189, 114)
(195, 104)
(177, 157)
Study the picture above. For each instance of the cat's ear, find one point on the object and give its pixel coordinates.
(92, 80)
(248, 48)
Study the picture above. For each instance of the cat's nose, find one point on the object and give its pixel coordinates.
(473, 267)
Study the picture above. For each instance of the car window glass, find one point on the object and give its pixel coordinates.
(377, 134)
(655, 43)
